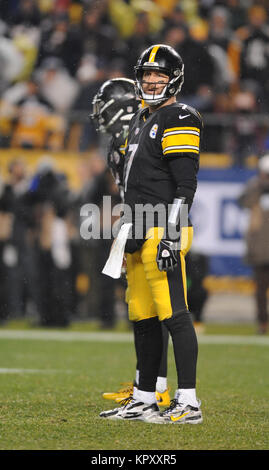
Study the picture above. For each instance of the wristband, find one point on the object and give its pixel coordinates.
(174, 216)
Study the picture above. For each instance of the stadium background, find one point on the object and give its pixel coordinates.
(54, 54)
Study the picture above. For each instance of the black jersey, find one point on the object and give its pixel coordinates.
(157, 149)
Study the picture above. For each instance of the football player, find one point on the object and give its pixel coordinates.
(160, 168)
(113, 107)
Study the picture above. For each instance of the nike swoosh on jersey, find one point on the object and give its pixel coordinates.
(179, 417)
(183, 117)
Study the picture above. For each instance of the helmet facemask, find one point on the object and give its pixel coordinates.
(176, 79)
(111, 117)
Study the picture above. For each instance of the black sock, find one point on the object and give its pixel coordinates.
(163, 365)
(148, 337)
(137, 351)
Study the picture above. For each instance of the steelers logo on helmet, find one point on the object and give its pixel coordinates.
(114, 105)
(164, 59)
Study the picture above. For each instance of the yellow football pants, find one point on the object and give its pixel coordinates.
(151, 292)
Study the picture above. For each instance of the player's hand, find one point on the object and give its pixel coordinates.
(167, 255)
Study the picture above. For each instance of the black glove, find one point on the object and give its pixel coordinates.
(167, 255)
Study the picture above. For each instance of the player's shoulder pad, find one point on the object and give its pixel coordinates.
(192, 111)
(182, 115)
(181, 131)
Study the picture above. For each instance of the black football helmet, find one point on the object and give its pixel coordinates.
(165, 59)
(114, 105)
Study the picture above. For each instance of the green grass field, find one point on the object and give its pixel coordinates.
(51, 385)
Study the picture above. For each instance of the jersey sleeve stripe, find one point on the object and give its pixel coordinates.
(181, 150)
(180, 132)
(180, 147)
(182, 129)
(180, 140)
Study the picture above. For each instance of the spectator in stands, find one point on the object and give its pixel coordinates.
(8, 256)
(18, 176)
(237, 11)
(250, 50)
(196, 90)
(29, 113)
(11, 59)
(174, 15)
(235, 8)
(219, 27)
(51, 201)
(26, 40)
(63, 41)
(123, 15)
(20, 257)
(99, 36)
(56, 85)
(245, 129)
(256, 198)
(99, 183)
(141, 38)
(219, 35)
(90, 76)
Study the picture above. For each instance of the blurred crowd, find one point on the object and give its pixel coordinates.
(49, 273)
(54, 54)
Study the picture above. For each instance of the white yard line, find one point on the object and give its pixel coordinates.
(234, 339)
(66, 335)
(122, 337)
(9, 370)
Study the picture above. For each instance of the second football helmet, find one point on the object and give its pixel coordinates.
(166, 60)
(114, 105)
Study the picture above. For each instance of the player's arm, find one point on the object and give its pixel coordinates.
(181, 149)
(184, 170)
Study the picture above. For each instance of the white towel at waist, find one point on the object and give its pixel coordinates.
(113, 265)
